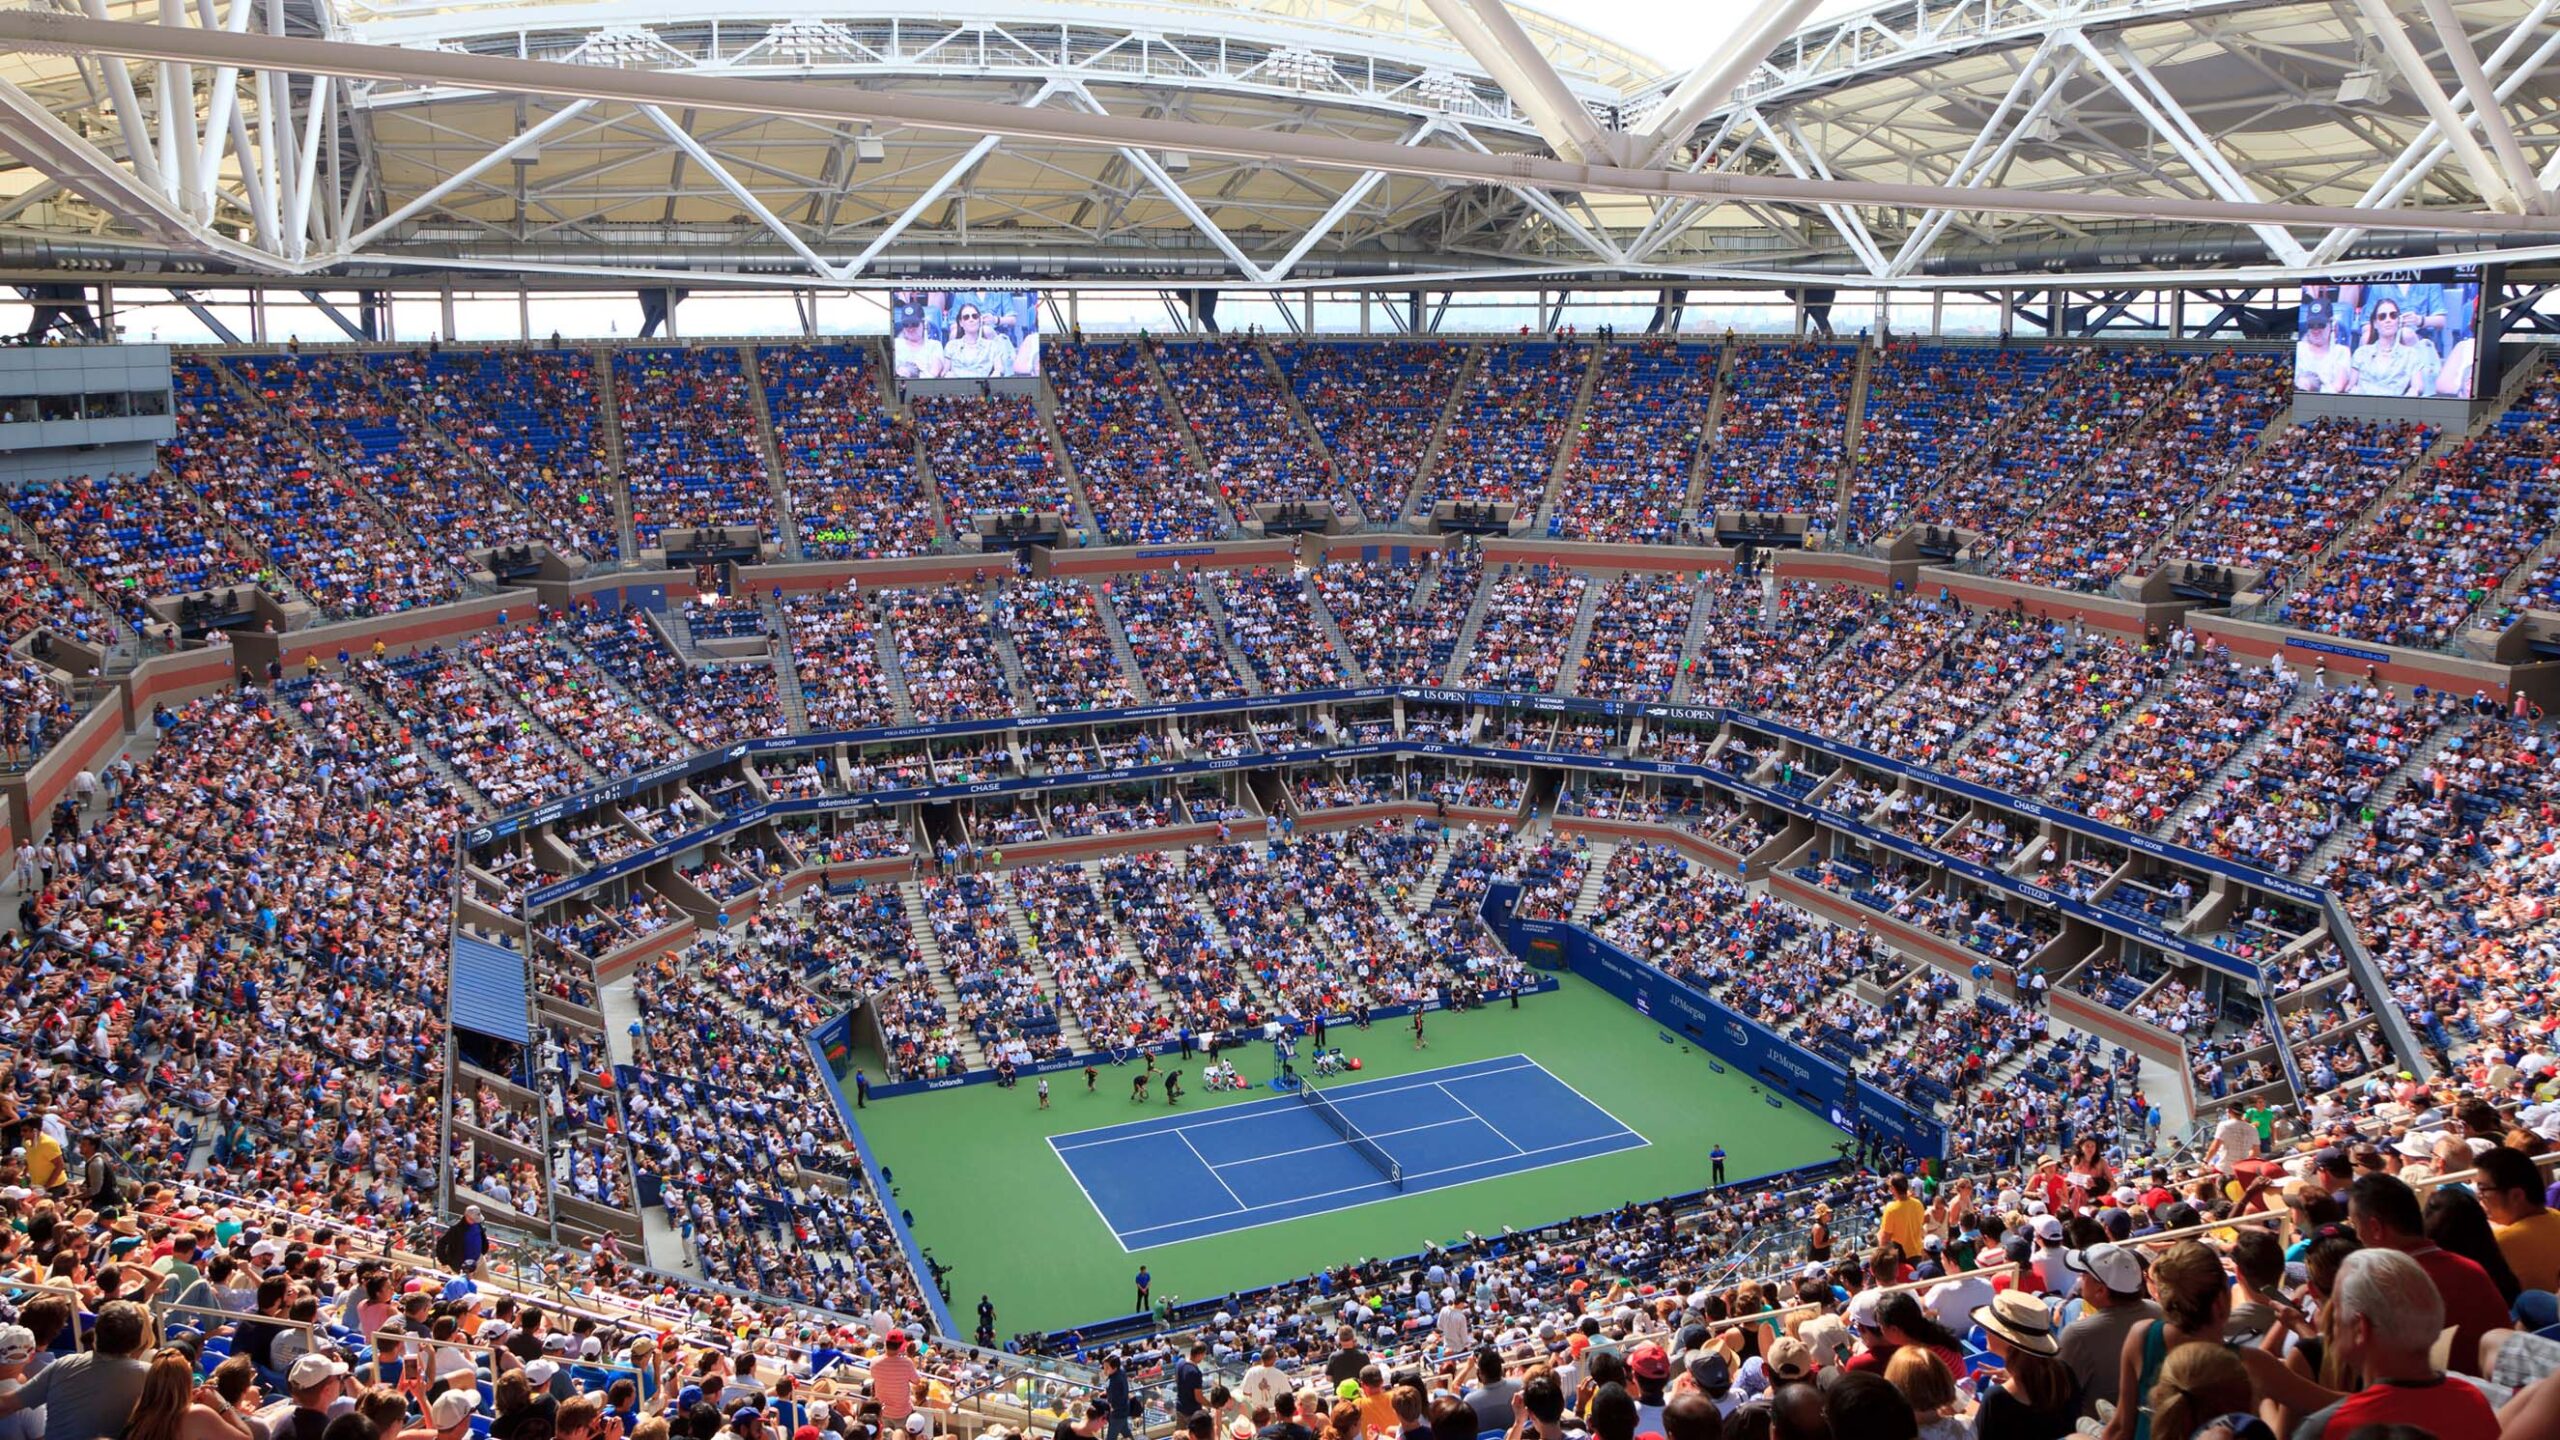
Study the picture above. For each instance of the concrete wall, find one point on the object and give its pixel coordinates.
(1679, 559)
(2349, 659)
(1124, 559)
(125, 707)
(2130, 618)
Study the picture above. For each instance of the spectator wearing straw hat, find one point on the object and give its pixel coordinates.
(2036, 1397)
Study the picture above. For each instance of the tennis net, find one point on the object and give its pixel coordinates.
(1352, 1135)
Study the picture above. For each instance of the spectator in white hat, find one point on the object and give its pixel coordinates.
(2092, 1346)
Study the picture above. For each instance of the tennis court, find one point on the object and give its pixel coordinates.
(1177, 1177)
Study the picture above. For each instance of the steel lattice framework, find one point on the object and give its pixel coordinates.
(1268, 143)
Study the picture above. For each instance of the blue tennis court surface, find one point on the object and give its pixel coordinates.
(1176, 1177)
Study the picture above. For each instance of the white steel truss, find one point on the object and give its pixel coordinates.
(1284, 143)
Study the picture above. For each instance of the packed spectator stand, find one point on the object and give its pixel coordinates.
(848, 466)
(317, 816)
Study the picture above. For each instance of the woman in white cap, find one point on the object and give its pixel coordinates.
(2036, 1398)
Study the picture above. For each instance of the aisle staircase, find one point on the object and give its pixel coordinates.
(1578, 640)
(1235, 657)
(1571, 445)
(769, 445)
(1120, 650)
(1474, 625)
(616, 459)
(1459, 385)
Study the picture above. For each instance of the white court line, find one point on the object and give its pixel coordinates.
(1184, 1136)
(1337, 1144)
(1585, 1099)
(1641, 1144)
(1498, 1132)
(1087, 1194)
(1255, 1109)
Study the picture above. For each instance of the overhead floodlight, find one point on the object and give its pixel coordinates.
(868, 149)
(1296, 66)
(2363, 87)
(2041, 130)
(1445, 90)
(1175, 162)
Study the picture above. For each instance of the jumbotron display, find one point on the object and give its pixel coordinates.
(2405, 333)
(964, 334)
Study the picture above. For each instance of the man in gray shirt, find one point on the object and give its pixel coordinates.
(90, 1396)
(2093, 1345)
(1491, 1399)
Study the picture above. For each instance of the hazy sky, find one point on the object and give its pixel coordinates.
(1680, 35)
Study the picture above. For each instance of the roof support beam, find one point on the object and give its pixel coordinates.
(2485, 107)
(1923, 236)
(2160, 110)
(738, 191)
(833, 104)
(1493, 36)
(2486, 177)
(524, 140)
(931, 197)
(1716, 77)
(1844, 220)
(129, 119)
(2429, 148)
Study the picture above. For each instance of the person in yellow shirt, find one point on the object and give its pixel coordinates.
(44, 1162)
(1904, 1219)
(2528, 1231)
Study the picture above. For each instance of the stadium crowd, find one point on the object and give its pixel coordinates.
(227, 1067)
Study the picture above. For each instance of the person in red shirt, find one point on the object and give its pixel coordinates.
(2385, 1212)
(2388, 1318)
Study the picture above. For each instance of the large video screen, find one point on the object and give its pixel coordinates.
(964, 334)
(2412, 333)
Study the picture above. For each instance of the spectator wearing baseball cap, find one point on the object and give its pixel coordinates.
(448, 1418)
(893, 1380)
(1650, 1364)
(2092, 1347)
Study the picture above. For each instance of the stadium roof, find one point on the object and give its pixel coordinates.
(1266, 143)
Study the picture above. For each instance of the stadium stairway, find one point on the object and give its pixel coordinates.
(1351, 672)
(1707, 437)
(1046, 407)
(1307, 431)
(1127, 658)
(1217, 611)
(1006, 655)
(505, 689)
(2104, 738)
(1844, 484)
(2315, 867)
(2237, 471)
(786, 668)
(1692, 639)
(609, 406)
(1595, 880)
(884, 646)
(2244, 761)
(1427, 890)
(321, 454)
(1460, 652)
(1571, 444)
(929, 950)
(1459, 385)
(1578, 640)
(444, 768)
(757, 405)
(1070, 1025)
(1189, 437)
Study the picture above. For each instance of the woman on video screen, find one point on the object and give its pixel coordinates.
(2387, 363)
(975, 351)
